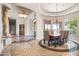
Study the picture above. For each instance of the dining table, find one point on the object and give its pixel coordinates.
(54, 39)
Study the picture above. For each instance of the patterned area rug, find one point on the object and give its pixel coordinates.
(69, 46)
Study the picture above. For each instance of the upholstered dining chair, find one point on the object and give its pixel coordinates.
(66, 36)
(62, 37)
(46, 37)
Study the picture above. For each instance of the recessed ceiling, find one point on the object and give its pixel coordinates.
(50, 9)
(23, 10)
(55, 7)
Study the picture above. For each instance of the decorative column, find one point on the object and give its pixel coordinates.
(28, 27)
(40, 27)
(5, 20)
(1, 29)
(17, 26)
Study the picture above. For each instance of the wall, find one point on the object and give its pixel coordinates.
(13, 14)
(72, 16)
(29, 25)
(40, 24)
(21, 20)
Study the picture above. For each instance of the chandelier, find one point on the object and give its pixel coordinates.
(22, 14)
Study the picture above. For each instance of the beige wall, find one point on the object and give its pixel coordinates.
(28, 21)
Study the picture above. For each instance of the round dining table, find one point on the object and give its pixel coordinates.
(54, 39)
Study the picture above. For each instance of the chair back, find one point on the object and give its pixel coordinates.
(62, 35)
(46, 35)
(66, 34)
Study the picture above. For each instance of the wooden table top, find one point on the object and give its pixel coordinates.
(54, 35)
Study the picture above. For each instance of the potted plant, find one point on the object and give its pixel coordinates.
(72, 25)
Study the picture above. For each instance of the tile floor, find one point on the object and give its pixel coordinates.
(32, 48)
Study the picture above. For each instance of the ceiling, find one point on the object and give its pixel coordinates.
(23, 10)
(51, 9)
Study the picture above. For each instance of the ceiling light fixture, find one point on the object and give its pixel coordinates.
(23, 15)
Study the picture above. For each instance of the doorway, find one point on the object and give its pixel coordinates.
(21, 29)
(12, 26)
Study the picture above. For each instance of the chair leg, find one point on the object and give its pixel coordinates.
(49, 43)
(44, 41)
(55, 44)
(60, 43)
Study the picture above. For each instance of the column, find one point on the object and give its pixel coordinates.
(5, 20)
(1, 43)
(28, 27)
(1, 27)
(17, 26)
(40, 27)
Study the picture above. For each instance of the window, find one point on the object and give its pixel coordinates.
(47, 26)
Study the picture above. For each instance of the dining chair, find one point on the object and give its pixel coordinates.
(66, 36)
(62, 37)
(46, 37)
